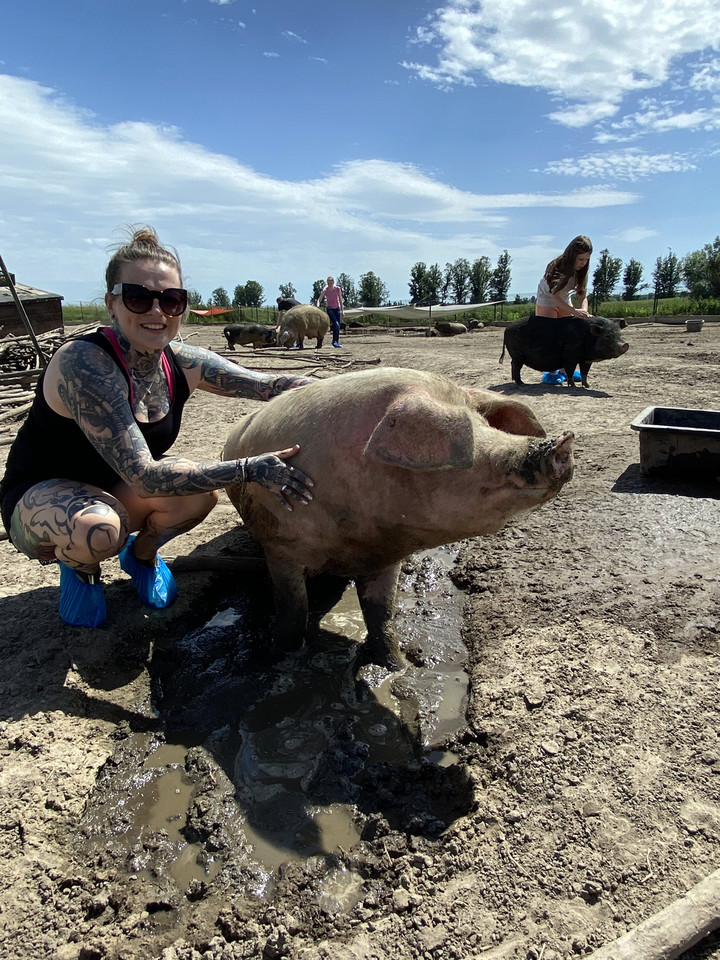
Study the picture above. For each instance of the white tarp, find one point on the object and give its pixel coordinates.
(416, 314)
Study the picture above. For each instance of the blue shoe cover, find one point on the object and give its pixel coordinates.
(82, 604)
(577, 377)
(156, 586)
(554, 377)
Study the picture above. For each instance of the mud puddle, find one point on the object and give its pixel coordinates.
(264, 762)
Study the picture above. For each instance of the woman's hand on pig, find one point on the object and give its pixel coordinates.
(288, 483)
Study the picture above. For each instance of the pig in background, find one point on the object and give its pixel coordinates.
(547, 343)
(244, 334)
(300, 323)
(402, 460)
(446, 329)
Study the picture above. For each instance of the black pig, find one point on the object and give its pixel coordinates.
(246, 333)
(547, 343)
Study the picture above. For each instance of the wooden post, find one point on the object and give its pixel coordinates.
(23, 315)
(670, 933)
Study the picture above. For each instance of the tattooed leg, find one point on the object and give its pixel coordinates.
(158, 520)
(77, 523)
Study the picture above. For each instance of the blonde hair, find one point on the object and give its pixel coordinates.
(562, 269)
(143, 245)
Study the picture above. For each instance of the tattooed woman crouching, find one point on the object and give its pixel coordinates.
(87, 470)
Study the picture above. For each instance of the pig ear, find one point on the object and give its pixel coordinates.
(418, 433)
(510, 416)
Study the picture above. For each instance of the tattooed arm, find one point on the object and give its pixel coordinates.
(209, 371)
(86, 384)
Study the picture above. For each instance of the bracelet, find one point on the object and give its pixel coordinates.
(241, 470)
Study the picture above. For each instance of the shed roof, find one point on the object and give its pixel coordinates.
(25, 292)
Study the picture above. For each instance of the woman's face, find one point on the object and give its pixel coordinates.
(153, 330)
(330, 281)
(581, 260)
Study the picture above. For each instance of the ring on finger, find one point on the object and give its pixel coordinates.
(283, 488)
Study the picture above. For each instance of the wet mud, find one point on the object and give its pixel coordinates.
(541, 777)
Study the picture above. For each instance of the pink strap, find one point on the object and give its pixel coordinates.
(115, 343)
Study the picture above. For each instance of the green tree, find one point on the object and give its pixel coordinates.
(417, 284)
(605, 277)
(500, 279)
(701, 271)
(287, 290)
(425, 284)
(239, 296)
(632, 278)
(220, 297)
(446, 283)
(195, 299)
(254, 294)
(434, 280)
(349, 293)
(460, 280)
(480, 274)
(667, 275)
(317, 289)
(372, 292)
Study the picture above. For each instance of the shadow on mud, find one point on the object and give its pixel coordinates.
(511, 388)
(265, 760)
(631, 480)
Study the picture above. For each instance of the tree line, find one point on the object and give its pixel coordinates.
(698, 273)
(478, 281)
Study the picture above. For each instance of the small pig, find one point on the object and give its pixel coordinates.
(249, 333)
(445, 328)
(546, 343)
(402, 460)
(301, 322)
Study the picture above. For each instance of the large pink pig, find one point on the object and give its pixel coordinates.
(402, 460)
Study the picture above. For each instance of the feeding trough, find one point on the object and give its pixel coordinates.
(680, 443)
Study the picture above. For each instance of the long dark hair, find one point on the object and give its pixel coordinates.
(143, 245)
(561, 270)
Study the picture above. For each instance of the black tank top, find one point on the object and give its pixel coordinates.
(49, 446)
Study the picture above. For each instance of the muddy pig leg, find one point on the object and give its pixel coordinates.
(324, 592)
(377, 602)
(291, 604)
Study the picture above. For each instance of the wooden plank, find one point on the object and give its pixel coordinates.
(671, 932)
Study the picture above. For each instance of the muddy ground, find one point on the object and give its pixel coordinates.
(576, 794)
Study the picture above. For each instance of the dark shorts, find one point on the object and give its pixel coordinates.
(10, 500)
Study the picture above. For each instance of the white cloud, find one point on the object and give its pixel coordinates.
(588, 54)
(706, 76)
(296, 38)
(654, 116)
(270, 53)
(624, 165)
(68, 181)
(633, 235)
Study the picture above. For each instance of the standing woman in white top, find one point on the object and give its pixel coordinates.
(564, 276)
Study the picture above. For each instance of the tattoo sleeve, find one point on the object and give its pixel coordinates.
(221, 376)
(95, 392)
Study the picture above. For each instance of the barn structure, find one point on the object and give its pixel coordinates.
(44, 310)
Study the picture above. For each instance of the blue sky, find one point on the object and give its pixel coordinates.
(285, 140)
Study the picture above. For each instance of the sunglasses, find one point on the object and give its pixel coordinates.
(139, 299)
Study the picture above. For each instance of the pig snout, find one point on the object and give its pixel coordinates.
(549, 464)
(624, 348)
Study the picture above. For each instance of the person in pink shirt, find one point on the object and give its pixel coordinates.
(334, 303)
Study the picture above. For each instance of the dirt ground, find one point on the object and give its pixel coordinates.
(584, 795)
